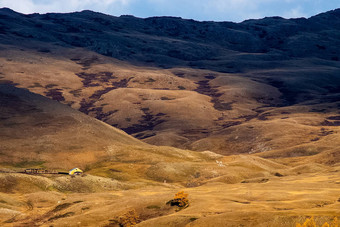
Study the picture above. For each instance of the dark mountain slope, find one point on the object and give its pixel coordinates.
(35, 129)
(131, 38)
(252, 45)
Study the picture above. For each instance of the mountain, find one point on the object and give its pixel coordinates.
(221, 86)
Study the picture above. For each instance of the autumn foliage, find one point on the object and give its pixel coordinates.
(180, 200)
(129, 219)
(311, 223)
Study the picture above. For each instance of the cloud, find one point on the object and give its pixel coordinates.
(25, 6)
(220, 10)
(294, 13)
(235, 10)
(45, 6)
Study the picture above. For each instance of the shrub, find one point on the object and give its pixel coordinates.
(308, 223)
(130, 218)
(180, 200)
(311, 223)
(150, 207)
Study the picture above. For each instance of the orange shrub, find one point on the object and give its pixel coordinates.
(180, 200)
(311, 223)
(129, 219)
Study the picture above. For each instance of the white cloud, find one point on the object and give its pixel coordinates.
(23, 6)
(294, 13)
(232, 9)
(238, 10)
(43, 6)
(221, 10)
(208, 10)
(227, 10)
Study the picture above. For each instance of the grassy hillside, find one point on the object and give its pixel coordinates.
(38, 130)
(182, 107)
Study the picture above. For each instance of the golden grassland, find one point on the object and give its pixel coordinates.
(93, 200)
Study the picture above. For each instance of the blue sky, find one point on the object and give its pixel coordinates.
(217, 10)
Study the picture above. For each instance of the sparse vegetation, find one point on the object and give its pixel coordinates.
(61, 207)
(153, 207)
(166, 98)
(150, 80)
(68, 214)
(193, 219)
(78, 201)
(128, 219)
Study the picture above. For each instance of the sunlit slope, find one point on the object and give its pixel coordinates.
(145, 102)
(41, 133)
(181, 107)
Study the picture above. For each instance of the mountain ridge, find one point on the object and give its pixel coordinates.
(231, 35)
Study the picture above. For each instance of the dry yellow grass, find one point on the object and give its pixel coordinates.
(278, 201)
(124, 174)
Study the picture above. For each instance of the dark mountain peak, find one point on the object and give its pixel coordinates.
(165, 18)
(329, 15)
(8, 10)
(91, 13)
(328, 20)
(86, 11)
(268, 21)
(335, 12)
(127, 16)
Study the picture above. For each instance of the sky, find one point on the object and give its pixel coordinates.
(202, 10)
